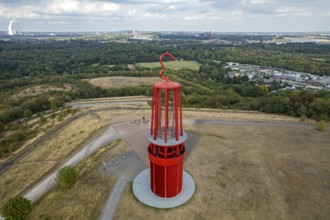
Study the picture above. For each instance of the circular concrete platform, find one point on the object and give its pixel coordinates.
(142, 191)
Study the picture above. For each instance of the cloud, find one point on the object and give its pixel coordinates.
(219, 15)
(59, 7)
(80, 7)
(291, 11)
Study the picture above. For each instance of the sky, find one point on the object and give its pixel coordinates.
(167, 15)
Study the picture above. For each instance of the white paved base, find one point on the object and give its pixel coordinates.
(142, 191)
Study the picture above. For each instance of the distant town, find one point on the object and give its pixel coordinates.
(287, 79)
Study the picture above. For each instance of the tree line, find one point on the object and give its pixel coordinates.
(39, 58)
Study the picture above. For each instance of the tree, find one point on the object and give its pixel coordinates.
(301, 111)
(263, 90)
(27, 113)
(67, 177)
(16, 208)
(52, 103)
(321, 126)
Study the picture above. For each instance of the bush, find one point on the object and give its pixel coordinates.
(321, 126)
(67, 177)
(17, 208)
(27, 113)
(303, 118)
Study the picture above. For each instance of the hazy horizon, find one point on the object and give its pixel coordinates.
(167, 15)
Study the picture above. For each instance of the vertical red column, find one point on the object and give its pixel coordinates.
(166, 138)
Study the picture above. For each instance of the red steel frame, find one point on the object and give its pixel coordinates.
(166, 139)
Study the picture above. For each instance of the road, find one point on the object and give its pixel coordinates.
(237, 122)
(109, 135)
(105, 103)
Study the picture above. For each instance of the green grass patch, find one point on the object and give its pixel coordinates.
(171, 65)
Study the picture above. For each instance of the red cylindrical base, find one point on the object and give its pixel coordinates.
(166, 173)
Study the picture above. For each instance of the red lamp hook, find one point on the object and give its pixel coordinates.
(163, 67)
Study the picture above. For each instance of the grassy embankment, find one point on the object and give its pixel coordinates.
(48, 155)
(87, 197)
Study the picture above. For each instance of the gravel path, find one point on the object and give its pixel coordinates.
(109, 135)
(113, 200)
(241, 122)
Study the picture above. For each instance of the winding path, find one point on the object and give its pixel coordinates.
(109, 135)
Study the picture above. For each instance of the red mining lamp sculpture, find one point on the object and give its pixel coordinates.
(165, 184)
(166, 149)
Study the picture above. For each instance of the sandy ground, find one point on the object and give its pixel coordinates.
(122, 81)
(36, 90)
(250, 172)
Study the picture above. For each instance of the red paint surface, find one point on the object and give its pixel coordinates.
(166, 162)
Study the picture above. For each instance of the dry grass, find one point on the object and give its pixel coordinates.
(14, 180)
(235, 115)
(83, 201)
(34, 165)
(52, 152)
(40, 129)
(122, 81)
(250, 172)
(66, 141)
(37, 90)
(124, 115)
(88, 196)
(240, 171)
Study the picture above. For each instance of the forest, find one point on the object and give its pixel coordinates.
(36, 58)
(25, 65)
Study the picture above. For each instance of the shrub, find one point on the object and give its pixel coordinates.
(28, 113)
(303, 118)
(67, 177)
(16, 208)
(321, 125)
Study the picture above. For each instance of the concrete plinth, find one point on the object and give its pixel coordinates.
(142, 191)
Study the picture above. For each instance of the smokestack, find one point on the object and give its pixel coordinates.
(11, 31)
